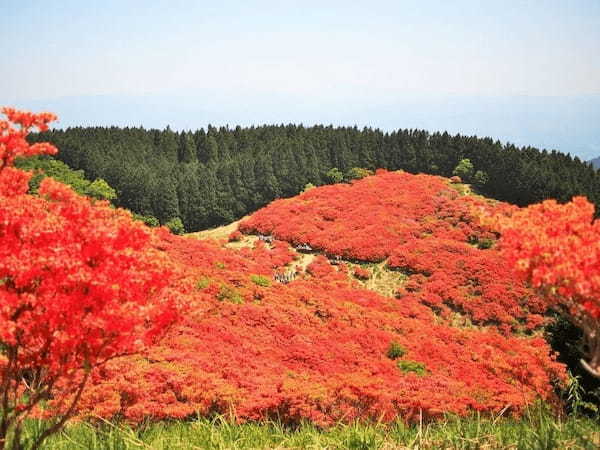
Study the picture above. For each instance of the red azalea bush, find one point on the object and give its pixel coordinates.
(450, 275)
(423, 227)
(367, 219)
(315, 349)
(557, 249)
(362, 274)
(235, 236)
(79, 285)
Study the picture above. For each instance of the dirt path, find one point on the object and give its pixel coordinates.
(219, 232)
(382, 280)
(302, 263)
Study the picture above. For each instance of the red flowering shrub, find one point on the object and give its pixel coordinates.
(320, 268)
(450, 275)
(79, 285)
(362, 274)
(422, 227)
(315, 349)
(557, 249)
(236, 236)
(367, 219)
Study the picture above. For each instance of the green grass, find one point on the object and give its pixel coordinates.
(407, 365)
(536, 430)
(260, 280)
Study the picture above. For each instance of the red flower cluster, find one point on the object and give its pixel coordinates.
(362, 274)
(424, 227)
(367, 219)
(12, 139)
(557, 249)
(79, 283)
(236, 236)
(313, 349)
(455, 276)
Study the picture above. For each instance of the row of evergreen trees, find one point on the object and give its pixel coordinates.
(214, 176)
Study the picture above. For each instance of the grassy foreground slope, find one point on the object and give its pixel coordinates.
(458, 334)
(536, 430)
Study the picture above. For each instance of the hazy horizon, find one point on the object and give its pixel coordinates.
(525, 72)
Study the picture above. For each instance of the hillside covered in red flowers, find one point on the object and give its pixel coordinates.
(457, 335)
(422, 226)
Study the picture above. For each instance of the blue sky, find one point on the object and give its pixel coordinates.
(523, 71)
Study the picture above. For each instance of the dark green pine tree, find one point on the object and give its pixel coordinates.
(165, 201)
(187, 148)
(168, 145)
(268, 185)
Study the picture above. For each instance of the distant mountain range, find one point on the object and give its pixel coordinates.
(596, 162)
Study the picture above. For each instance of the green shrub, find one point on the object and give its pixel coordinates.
(464, 169)
(406, 366)
(259, 280)
(335, 175)
(175, 225)
(482, 244)
(150, 221)
(481, 178)
(44, 166)
(203, 283)
(485, 243)
(395, 351)
(356, 173)
(308, 187)
(230, 294)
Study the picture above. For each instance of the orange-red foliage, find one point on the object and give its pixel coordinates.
(557, 249)
(79, 281)
(423, 226)
(313, 349)
(316, 348)
(367, 219)
(362, 274)
(12, 139)
(235, 236)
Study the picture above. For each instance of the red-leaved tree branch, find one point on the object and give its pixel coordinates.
(79, 285)
(556, 247)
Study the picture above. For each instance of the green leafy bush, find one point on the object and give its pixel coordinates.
(150, 221)
(228, 293)
(356, 173)
(334, 175)
(480, 178)
(395, 351)
(464, 169)
(308, 187)
(482, 244)
(175, 225)
(260, 280)
(406, 366)
(203, 283)
(44, 166)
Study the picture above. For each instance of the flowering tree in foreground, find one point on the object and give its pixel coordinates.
(79, 285)
(557, 249)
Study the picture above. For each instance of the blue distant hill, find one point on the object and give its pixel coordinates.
(596, 162)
